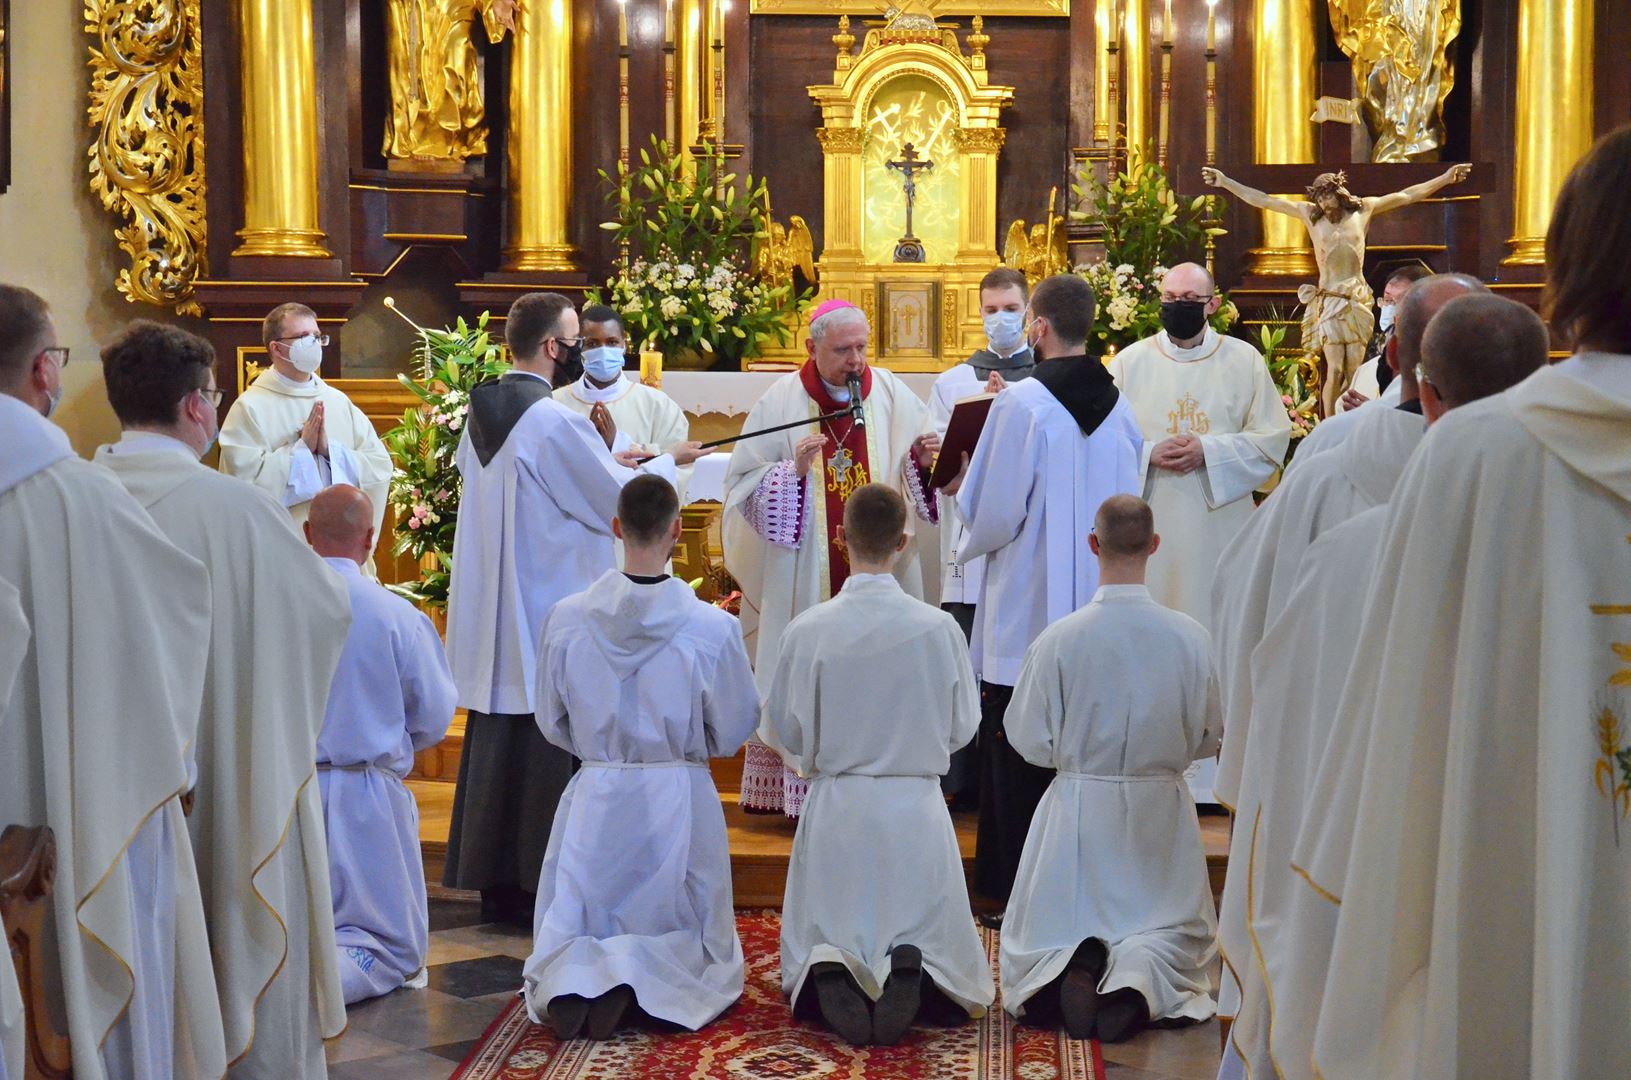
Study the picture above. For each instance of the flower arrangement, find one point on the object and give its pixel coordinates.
(1297, 376)
(684, 286)
(1143, 225)
(425, 488)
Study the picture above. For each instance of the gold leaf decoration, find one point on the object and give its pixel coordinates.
(147, 156)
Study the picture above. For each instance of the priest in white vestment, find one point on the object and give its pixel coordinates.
(785, 495)
(291, 434)
(871, 693)
(96, 731)
(1053, 449)
(1007, 357)
(279, 621)
(1256, 573)
(1475, 953)
(643, 683)
(638, 415)
(1214, 428)
(540, 490)
(392, 696)
(15, 638)
(1110, 926)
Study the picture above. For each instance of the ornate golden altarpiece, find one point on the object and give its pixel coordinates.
(911, 82)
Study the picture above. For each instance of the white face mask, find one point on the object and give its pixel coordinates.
(1004, 330)
(603, 364)
(1385, 321)
(305, 354)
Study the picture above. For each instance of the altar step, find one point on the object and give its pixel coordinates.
(761, 845)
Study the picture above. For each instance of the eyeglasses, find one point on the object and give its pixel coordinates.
(212, 395)
(1187, 298)
(321, 339)
(569, 342)
(59, 353)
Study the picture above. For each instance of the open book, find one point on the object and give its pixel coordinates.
(962, 435)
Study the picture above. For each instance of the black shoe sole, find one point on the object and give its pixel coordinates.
(607, 1011)
(567, 1014)
(843, 1006)
(1079, 990)
(902, 996)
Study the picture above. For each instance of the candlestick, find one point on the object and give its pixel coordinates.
(669, 105)
(1113, 63)
(1101, 77)
(721, 7)
(1211, 116)
(623, 82)
(1166, 85)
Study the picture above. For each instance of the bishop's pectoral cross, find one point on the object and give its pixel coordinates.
(909, 249)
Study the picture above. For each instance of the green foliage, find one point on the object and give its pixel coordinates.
(1146, 231)
(685, 286)
(1295, 373)
(425, 488)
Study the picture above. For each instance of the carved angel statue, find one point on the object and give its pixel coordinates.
(1403, 69)
(784, 249)
(1044, 252)
(437, 112)
(1337, 318)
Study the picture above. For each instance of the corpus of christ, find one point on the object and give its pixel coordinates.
(776, 539)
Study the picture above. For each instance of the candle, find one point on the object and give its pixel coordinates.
(1166, 25)
(1211, 25)
(1115, 23)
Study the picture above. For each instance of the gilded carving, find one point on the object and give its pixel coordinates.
(437, 111)
(839, 140)
(147, 159)
(980, 140)
(1403, 69)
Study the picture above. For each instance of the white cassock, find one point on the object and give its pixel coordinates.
(95, 732)
(1310, 643)
(260, 443)
(778, 528)
(279, 623)
(1033, 486)
(871, 694)
(392, 696)
(648, 417)
(1119, 697)
(1485, 920)
(1255, 576)
(1329, 433)
(15, 638)
(644, 683)
(1222, 391)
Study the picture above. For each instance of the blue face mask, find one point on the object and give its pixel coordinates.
(1005, 330)
(603, 364)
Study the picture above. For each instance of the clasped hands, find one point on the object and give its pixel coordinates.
(1180, 454)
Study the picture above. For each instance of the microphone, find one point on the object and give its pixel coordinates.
(857, 412)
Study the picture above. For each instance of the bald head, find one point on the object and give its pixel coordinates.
(1416, 310)
(1123, 538)
(1478, 346)
(1187, 279)
(340, 524)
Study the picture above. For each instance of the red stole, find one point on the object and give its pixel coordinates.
(844, 464)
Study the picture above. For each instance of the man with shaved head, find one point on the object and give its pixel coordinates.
(392, 696)
(1306, 756)
(1118, 698)
(1214, 431)
(1256, 574)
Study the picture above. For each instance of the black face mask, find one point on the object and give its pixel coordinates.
(569, 363)
(1183, 319)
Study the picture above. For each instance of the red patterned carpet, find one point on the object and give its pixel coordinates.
(757, 1039)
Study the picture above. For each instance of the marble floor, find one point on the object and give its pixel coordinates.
(476, 968)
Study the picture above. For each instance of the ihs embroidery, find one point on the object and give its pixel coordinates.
(844, 473)
(1612, 771)
(1186, 418)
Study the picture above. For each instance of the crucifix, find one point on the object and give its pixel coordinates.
(909, 249)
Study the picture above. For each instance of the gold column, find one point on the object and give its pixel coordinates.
(540, 139)
(1135, 77)
(841, 175)
(1284, 82)
(279, 130)
(1555, 115)
(691, 70)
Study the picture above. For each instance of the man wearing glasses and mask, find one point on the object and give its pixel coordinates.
(540, 489)
(291, 434)
(1214, 428)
